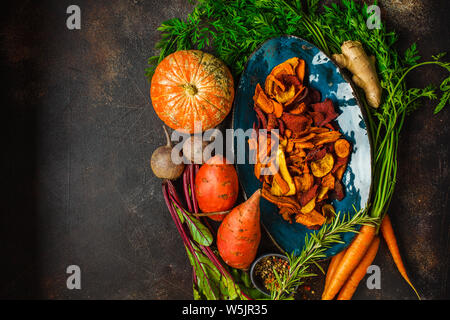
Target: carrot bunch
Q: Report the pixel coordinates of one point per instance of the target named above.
(349, 267)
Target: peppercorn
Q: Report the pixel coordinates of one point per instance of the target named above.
(264, 270)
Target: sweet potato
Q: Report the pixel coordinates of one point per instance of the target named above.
(239, 233)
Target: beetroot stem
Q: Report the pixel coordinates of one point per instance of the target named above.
(186, 187)
(192, 183)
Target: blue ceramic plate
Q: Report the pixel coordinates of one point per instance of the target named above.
(324, 75)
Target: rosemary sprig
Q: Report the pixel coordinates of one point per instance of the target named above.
(316, 244)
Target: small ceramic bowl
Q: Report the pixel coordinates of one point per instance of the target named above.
(257, 283)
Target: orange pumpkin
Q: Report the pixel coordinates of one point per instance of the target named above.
(216, 187)
(189, 86)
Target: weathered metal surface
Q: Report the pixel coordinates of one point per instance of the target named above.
(78, 130)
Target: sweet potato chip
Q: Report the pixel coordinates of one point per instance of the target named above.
(257, 170)
(342, 148)
(282, 68)
(298, 109)
(322, 167)
(271, 83)
(279, 201)
(289, 146)
(316, 154)
(287, 213)
(340, 172)
(312, 220)
(296, 171)
(326, 137)
(300, 70)
(284, 96)
(304, 182)
(281, 183)
(262, 101)
(318, 130)
(328, 212)
(294, 62)
(328, 181)
(309, 206)
(277, 109)
(298, 97)
(281, 125)
(339, 163)
(272, 122)
(304, 138)
(304, 145)
(322, 195)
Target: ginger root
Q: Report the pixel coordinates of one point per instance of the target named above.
(355, 59)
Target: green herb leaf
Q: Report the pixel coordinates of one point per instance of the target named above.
(200, 233)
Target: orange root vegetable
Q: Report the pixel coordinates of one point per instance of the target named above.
(355, 278)
(332, 267)
(216, 186)
(351, 259)
(391, 241)
(239, 233)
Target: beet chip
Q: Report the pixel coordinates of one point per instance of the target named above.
(308, 195)
(296, 123)
(326, 108)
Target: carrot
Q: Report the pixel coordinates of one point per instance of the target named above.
(391, 241)
(239, 233)
(350, 260)
(332, 267)
(358, 274)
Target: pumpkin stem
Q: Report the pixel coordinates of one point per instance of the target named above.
(190, 89)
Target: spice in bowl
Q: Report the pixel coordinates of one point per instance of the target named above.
(264, 270)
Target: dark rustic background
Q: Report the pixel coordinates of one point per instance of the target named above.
(78, 130)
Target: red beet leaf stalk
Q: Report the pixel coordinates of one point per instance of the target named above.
(173, 202)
